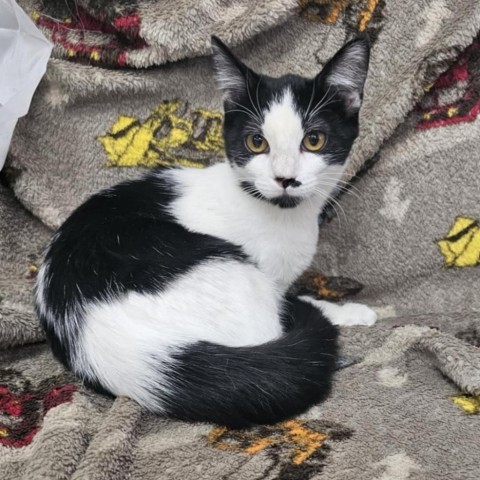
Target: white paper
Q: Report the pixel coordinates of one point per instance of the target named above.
(24, 53)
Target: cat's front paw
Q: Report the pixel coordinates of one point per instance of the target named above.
(351, 314)
(348, 314)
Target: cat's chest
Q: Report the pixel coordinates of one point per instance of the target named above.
(281, 242)
(282, 246)
(282, 251)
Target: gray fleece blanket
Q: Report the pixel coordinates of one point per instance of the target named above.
(408, 230)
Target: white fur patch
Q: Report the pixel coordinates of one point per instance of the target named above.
(41, 283)
(281, 241)
(282, 127)
(127, 342)
(348, 314)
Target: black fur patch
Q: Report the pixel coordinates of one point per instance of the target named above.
(264, 384)
(252, 190)
(284, 201)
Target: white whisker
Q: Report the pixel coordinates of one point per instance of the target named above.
(349, 185)
(332, 202)
(321, 104)
(248, 111)
(310, 102)
(256, 93)
(341, 188)
(250, 97)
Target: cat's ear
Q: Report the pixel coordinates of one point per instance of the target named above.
(230, 73)
(346, 73)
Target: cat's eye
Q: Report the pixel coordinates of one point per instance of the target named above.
(314, 141)
(256, 143)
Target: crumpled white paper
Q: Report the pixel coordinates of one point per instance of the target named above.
(24, 53)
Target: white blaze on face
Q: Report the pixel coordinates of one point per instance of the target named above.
(283, 130)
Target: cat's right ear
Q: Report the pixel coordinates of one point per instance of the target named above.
(347, 71)
(230, 72)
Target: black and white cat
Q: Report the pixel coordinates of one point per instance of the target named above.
(172, 289)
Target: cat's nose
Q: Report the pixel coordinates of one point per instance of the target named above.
(287, 182)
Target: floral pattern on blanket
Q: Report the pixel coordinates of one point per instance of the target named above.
(93, 37)
(296, 449)
(23, 408)
(172, 135)
(455, 95)
(461, 245)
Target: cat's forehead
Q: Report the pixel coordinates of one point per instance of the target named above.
(282, 119)
(284, 105)
(274, 90)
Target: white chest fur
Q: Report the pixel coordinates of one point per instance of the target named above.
(281, 242)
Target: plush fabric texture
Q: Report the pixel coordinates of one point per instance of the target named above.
(22, 240)
(407, 405)
(170, 112)
(410, 227)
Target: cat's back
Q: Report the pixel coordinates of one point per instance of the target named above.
(145, 197)
(124, 238)
(120, 242)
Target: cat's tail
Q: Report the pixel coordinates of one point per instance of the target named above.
(266, 383)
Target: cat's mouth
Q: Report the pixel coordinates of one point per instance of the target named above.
(283, 201)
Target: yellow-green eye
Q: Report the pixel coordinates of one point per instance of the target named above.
(314, 141)
(256, 143)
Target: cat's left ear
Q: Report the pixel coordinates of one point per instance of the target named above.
(230, 73)
(346, 73)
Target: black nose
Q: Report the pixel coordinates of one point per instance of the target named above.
(287, 182)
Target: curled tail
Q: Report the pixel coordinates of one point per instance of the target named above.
(240, 386)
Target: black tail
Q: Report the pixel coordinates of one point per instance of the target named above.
(267, 383)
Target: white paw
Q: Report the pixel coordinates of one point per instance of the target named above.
(353, 314)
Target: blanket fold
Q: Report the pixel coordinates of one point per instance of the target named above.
(409, 235)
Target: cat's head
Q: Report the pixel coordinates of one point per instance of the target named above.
(288, 138)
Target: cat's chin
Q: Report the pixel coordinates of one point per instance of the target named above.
(286, 201)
